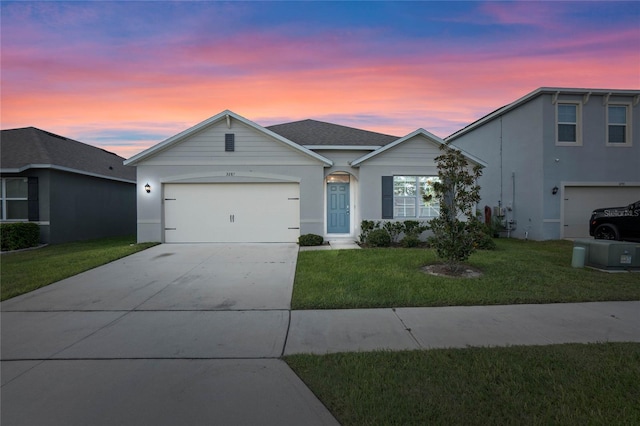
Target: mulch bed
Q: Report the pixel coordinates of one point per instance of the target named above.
(441, 270)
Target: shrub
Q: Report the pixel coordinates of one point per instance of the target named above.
(16, 236)
(310, 240)
(482, 236)
(485, 242)
(366, 227)
(410, 241)
(393, 229)
(414, 228)
(496, 227)
(379, 238)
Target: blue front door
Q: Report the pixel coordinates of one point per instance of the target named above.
(338, 208)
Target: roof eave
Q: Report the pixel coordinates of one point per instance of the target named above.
(380, 150)
(343, 147)
(226, 114)
(529, 96)
(417, 132)
(64, 169)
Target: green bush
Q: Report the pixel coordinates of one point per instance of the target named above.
(379, 238)
(367, 226)
(310, 240)
(482, 236)
(394, 229)
(410, 241)
(16, 236)
(485, 242)
(414, 228)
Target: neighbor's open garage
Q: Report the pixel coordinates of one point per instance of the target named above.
(231, 212)
(580, 201)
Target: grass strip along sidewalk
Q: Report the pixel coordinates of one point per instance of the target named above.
(560, 384)
(517, 272)
(25, 271)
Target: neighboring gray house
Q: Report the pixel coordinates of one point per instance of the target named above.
(556, 154)
(228, 179)
(74, 191)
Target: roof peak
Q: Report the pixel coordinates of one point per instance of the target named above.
(313, 120)
(315, 133)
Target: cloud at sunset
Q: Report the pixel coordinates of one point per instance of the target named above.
(124, 76)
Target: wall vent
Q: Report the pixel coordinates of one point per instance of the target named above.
(229, 142)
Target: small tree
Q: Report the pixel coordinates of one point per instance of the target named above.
(455, 229)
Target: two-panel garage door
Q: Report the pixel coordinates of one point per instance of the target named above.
(580, 201)
(232, 212)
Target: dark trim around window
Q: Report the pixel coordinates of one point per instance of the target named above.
(33, 203)
(387, 197)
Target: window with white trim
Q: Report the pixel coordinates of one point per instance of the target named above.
(14, 196)
(408, 192)
(618, 125)
(569, 126)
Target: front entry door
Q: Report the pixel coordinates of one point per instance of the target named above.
(338, 208)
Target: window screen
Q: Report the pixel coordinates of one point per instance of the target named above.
(567, 123)
(617, 124)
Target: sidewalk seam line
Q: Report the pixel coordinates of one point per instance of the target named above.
(407, 328)
(286, 336)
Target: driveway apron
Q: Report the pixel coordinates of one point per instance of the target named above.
(176, 334)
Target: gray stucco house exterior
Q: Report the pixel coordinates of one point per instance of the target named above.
(72, 190)
(229, 179)
(556, 154)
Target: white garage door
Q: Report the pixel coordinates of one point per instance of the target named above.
(580, 201)
(232, 212)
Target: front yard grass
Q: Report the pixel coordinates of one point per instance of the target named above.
(517, 272)
(560, 384)
(25, 271)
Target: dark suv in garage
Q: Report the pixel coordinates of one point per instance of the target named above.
(616, 223)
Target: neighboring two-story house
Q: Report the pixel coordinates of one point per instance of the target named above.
(554, 155)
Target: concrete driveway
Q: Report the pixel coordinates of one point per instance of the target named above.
(176, 334)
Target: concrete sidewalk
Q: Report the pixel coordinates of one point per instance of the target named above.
(326, 331)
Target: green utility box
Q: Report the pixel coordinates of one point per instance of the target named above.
(610, 255)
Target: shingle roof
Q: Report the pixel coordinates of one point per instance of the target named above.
(31, 147)
(314, 133)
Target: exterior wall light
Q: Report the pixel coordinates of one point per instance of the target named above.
(554, 191)
(147, 188)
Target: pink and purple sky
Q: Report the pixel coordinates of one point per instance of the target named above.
(126, 75)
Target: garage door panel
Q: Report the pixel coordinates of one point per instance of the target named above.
(232, 212)
(580, 201)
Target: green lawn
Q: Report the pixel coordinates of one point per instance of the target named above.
(517, 272)
(25, 271)
(573, 384)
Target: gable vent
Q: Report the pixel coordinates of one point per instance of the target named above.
(229, 142)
